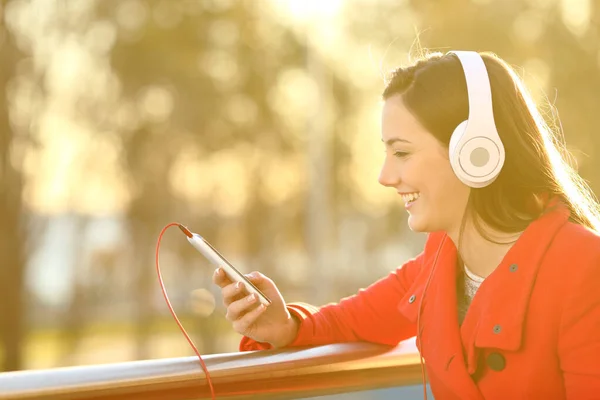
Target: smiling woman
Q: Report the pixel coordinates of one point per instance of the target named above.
(503, 298)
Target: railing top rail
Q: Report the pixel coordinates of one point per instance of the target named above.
(283, 373)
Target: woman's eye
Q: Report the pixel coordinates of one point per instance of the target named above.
(400, 154)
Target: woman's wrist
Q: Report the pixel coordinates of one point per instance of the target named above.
(290, 332)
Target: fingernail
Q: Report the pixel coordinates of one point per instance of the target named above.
(218, 271)
(238, 285)
(251, 298)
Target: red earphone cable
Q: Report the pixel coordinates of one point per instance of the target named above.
(437, 254)
(164, 291)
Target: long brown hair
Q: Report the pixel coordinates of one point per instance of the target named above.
(537, 165)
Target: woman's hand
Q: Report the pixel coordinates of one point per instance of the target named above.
(269, 324)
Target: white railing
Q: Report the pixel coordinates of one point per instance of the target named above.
(273, 374)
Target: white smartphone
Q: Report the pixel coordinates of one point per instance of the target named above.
(218, 260)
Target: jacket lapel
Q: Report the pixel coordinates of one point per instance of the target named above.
(440, 341)
(496, 316)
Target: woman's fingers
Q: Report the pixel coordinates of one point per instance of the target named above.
(243, 309)
(220, 278)
(232, 292)
(243, 324)
(238, 308)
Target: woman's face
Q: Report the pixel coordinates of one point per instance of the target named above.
(417, 166)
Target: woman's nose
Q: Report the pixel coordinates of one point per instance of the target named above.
(388, 176)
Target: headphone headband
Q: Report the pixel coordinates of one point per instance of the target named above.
(478, 87)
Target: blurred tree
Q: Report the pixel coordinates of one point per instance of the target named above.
(205, 83)
(12, 234)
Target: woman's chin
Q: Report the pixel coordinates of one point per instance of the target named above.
(415, 224)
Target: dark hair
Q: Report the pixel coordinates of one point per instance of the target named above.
(537, 165)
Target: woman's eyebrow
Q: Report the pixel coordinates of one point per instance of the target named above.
(391, 141)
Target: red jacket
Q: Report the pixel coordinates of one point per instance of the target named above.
(531, 332)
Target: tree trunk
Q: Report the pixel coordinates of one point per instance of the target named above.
(11, 228)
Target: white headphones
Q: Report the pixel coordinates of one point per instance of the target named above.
(476, 151)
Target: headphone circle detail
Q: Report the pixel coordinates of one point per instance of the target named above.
(479, 157)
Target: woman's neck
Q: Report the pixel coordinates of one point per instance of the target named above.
(479, 254)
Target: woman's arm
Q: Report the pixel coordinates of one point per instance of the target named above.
(370, 315)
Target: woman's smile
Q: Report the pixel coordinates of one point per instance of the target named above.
(409, 198)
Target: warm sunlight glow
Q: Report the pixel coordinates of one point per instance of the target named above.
(576, 15)
(305, 10)
(69, 175)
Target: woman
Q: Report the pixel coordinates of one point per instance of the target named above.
(523, 240)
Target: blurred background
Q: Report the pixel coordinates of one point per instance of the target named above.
(253, 122)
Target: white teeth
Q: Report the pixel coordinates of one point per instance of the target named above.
(410, 197)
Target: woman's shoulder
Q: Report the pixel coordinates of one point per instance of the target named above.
(576, 249)
(575, 238)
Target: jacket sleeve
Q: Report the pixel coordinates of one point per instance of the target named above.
(579, 340)
(370, 315)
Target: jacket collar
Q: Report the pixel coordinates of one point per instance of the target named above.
(496, 316)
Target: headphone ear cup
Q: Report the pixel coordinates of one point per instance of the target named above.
(454, 148)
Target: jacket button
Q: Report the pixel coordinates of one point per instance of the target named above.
(412, 299)
(496, 361)
(497, 329)
(513, 268)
